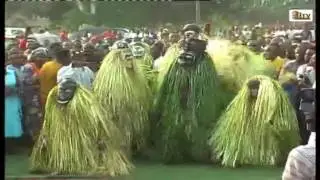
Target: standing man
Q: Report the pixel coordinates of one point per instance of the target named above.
(49, 71)
(207, 29)
(160, 47)
(306, 33)
(23, 41)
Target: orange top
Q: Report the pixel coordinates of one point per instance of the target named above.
(48, 78)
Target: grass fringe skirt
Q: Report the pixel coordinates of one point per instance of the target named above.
(125, 93)
(256, 132)
(188, 101)
(76, 139)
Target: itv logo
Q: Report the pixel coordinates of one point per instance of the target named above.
(301, 15)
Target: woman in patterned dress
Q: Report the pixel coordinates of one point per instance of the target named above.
(33, 112)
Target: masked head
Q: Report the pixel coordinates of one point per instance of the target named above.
(138, 50)
(120, 45)
(124, 56)
(253, 86)
(191, 31)
(192, 51)
(66, 90)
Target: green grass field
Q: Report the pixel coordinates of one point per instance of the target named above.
(17, 166)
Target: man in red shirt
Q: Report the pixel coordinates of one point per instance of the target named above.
(23, 40)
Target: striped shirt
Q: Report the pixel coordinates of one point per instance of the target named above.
(301, 162)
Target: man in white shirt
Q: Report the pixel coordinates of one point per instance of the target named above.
(77, 71)
(301, 162)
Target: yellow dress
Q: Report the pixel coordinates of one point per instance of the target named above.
(48, 78)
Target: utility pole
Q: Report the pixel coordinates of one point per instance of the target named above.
(198, 17)
(93, 7)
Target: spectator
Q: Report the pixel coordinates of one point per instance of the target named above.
(273, 54)
(76, 70)
(33, 113)
(306, 34)
(48, 73)
(293, 65)
(290, 53)
(13, 110)
(207, 29)
(17, 60)
(23, 41)
(42, 31)
(309, 53)
(108, 34)
(301, 162)
(32, 44)
(159, 48)
(302, 159)
(254, 34)
(306, 72)
(38, 57)
(174, 38)
(246, 32)
(63, 36)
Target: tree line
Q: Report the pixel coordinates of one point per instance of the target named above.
(75, 13)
